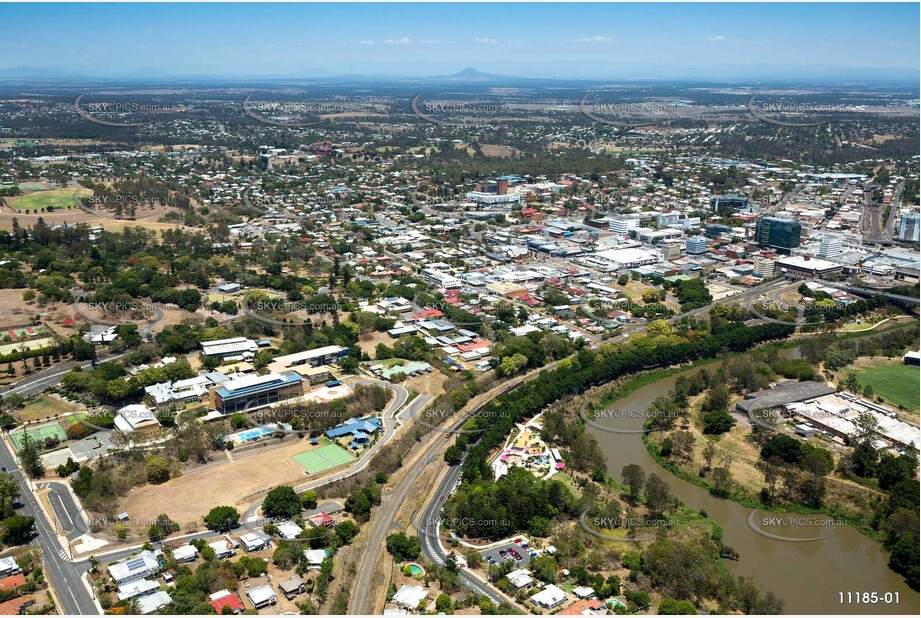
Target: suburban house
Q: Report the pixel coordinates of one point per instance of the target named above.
(410, 596)
(263, 596)
(185, 553)
(254, 541)
(136, 567)
(223, 547)
(224, 598)
(549, 598)
(8, 566)
(16, 606)
(137, 588)
(321, 519)
(314, 557)
(292, 586)
(153, 603)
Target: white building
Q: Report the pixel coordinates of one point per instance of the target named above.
(263, 596)
(186, 553)
(763, 267)
(549, 598)
(696, 245)
(152, 603)
(910, 226)
(137, 567)
(410, 596)
(830, 248)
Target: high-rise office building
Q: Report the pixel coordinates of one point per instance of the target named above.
(830, 248)
(910, 226)
(778, 233)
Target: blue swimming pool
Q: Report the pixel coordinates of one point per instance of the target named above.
(255, 434)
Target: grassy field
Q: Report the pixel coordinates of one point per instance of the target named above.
(42, 408)
(896, 383)
(59, 199)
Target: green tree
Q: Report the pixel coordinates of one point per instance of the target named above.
(18, 529)
(222, 518)
(634, 477)
(282, 502)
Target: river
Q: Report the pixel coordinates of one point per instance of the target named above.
(808, 576)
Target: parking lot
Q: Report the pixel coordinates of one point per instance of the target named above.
(495, 554)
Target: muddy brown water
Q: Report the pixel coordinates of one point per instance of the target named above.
(809, 576)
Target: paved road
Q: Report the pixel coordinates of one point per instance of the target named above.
(73, 596)
(431, 543)
(41, 380)
(383, 516)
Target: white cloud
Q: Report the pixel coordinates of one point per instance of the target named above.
(431, 41)
(595, 39)
(485, 40)
(401, 41)
(367, 42)
(717, 38)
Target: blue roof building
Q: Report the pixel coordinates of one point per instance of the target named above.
(355, 427)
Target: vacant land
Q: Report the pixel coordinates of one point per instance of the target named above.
(898, 384)
(188, 498)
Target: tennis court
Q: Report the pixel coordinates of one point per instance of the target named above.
(38, 434)
(324, 458)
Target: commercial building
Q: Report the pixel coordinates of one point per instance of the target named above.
(783, 234)
(830, 248)
(252, 392)
(763, 267)
(439, 279)
(728, 201)
(910, 226)
(225, 348)
(805, 266)
(318, 357)
(696, 245)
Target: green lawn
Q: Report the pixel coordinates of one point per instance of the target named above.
(897, 383)
(59, 199)
(43, 408)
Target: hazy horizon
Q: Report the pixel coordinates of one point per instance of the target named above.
(578, 41)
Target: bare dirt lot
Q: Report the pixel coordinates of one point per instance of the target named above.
(188, 498)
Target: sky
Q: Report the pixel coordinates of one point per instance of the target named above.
(539, 40)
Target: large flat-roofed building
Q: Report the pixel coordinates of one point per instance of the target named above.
(223, 348)
(252, 392)
(783, 394)
(628, 258)
(440, 279)
(806, 266)
(779, 233)
(728, 201)
(326, 355)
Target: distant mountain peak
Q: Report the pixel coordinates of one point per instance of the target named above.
(470, 72)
